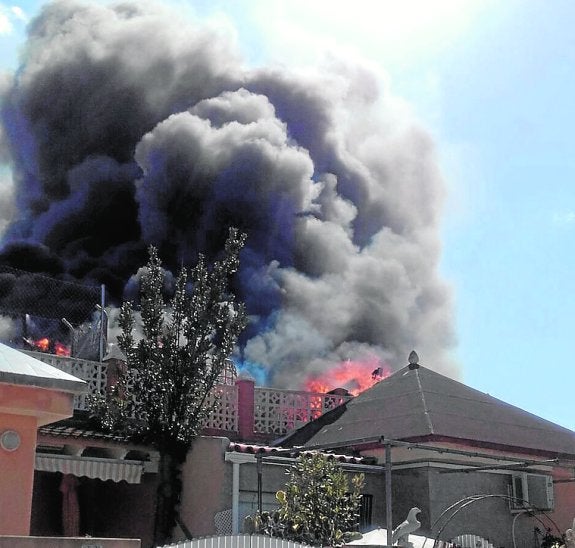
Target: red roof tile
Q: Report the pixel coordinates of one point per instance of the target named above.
(279, 452)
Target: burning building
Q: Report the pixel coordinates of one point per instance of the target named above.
(123, 128)
(38, 312)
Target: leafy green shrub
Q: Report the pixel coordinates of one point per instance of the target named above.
(318, 505)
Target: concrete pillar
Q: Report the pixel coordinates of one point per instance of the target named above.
(246, 401)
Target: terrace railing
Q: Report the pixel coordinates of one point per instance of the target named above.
(279, 411)
(94, 373)
(225, 415)
(275, 411)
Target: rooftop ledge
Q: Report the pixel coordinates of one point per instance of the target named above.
(20, 369)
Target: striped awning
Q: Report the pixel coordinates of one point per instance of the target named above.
(91, 467)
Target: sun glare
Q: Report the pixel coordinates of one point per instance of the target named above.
(380, 29)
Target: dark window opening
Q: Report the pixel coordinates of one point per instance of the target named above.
(365, 509)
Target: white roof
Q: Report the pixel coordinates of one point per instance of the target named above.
(18, 368)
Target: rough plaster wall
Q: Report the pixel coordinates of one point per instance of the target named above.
(564, 513)
(375, 486)
(275, 477)
(206, 488)
(489, 518)
(17, 467)
(410, 488)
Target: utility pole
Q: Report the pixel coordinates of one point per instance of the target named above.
(388, 498)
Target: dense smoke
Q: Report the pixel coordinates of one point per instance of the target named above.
(124, 127)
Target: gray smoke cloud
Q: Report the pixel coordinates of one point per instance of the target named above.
(125, 128)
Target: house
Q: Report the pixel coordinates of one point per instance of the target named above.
(443, 440)
(447, 441)
(111, 482)
(32, 394)
(226, 481)
(86, 482)
(91, 483)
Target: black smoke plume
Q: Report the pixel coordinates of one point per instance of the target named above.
(125, 127)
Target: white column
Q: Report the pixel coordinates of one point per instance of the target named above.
(237, 459)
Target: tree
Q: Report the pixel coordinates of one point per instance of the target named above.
(161, 397)
(317, 507)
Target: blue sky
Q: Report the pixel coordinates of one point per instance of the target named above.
(494, 84)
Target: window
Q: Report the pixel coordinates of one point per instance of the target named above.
(249, 504)
(365, 509)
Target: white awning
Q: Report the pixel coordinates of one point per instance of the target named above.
(91, 467)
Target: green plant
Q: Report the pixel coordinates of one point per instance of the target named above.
(162, 393)
(549, 540)
(318, 506)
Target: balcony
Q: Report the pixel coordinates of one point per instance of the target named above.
(241, 409)
(94, 373)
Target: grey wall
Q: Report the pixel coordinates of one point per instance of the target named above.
(410, 488)
(208, 482)
(434, 492)
(274, 478)
(490, 518)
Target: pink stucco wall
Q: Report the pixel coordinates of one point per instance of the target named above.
(206, 489)
(23, 409)
(46, 405)
(564, 513)
(246, 400)
(17, 476)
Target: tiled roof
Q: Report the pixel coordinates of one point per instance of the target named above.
(75, 432)
(279, 452)
(420, 403)
(19, 368)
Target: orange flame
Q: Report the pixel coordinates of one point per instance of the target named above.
(61, 349)
(353, 375)
(44, 345)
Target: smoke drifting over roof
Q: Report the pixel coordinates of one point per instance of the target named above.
(125, 129)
